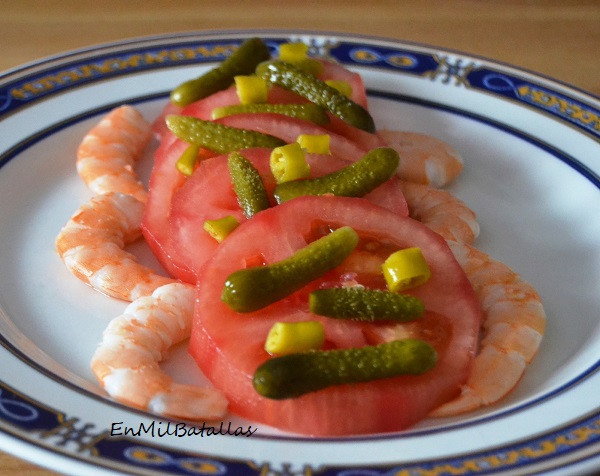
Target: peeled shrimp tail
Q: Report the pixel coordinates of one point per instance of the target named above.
(513, 325)
(441, 211)
(126, 362)
(423, 159)
(107, 154)
(92, 243)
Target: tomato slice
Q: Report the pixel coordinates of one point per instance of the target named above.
(208, 195)
(165, 180)
(228, 346)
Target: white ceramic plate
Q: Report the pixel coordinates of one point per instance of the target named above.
(532, 153)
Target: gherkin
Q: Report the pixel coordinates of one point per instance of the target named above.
(247, 184)
(242, 61)
(316, 91)
(355, 180)
(367, 305)
(307, 112)
(251, 289)
(218, 137)
(293, 375)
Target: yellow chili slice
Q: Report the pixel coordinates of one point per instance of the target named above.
(315, 144)
(297, 54)
(293, 52)
(251, 89)
(291, 337)
(288, 163)
(405, 269)
(220, 228)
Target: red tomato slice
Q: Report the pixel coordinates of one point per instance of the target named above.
(228, 346)
(165, 179)
(208, 194)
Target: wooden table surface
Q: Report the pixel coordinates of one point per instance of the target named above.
(560, 39)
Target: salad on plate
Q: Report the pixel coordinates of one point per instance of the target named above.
(326, 281)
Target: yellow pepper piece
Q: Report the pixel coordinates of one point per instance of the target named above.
(220, 228)
(314, 144)
(342, 86)
(297, 54)
(251, 89)
(293, 53)
(288, 163)
(405, 269)
(292, 337)
(187, 162)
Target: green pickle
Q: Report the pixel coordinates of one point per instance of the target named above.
(218, 137)
(242, 61)
(307, 112)
(316, 91)
(251, 289)
(356, 180)
(247, 184)
(368, 305)
(293, 375)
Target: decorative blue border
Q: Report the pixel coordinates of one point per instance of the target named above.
(26, 89)
(99, 447)
(581, 115)
(466, 73)
(34, 418)
(40, 84)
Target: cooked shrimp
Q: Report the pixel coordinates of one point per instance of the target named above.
(441, 211)
(423, 159)
(107, 154)
(126, 362)
(513, 325)
(92, 243)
